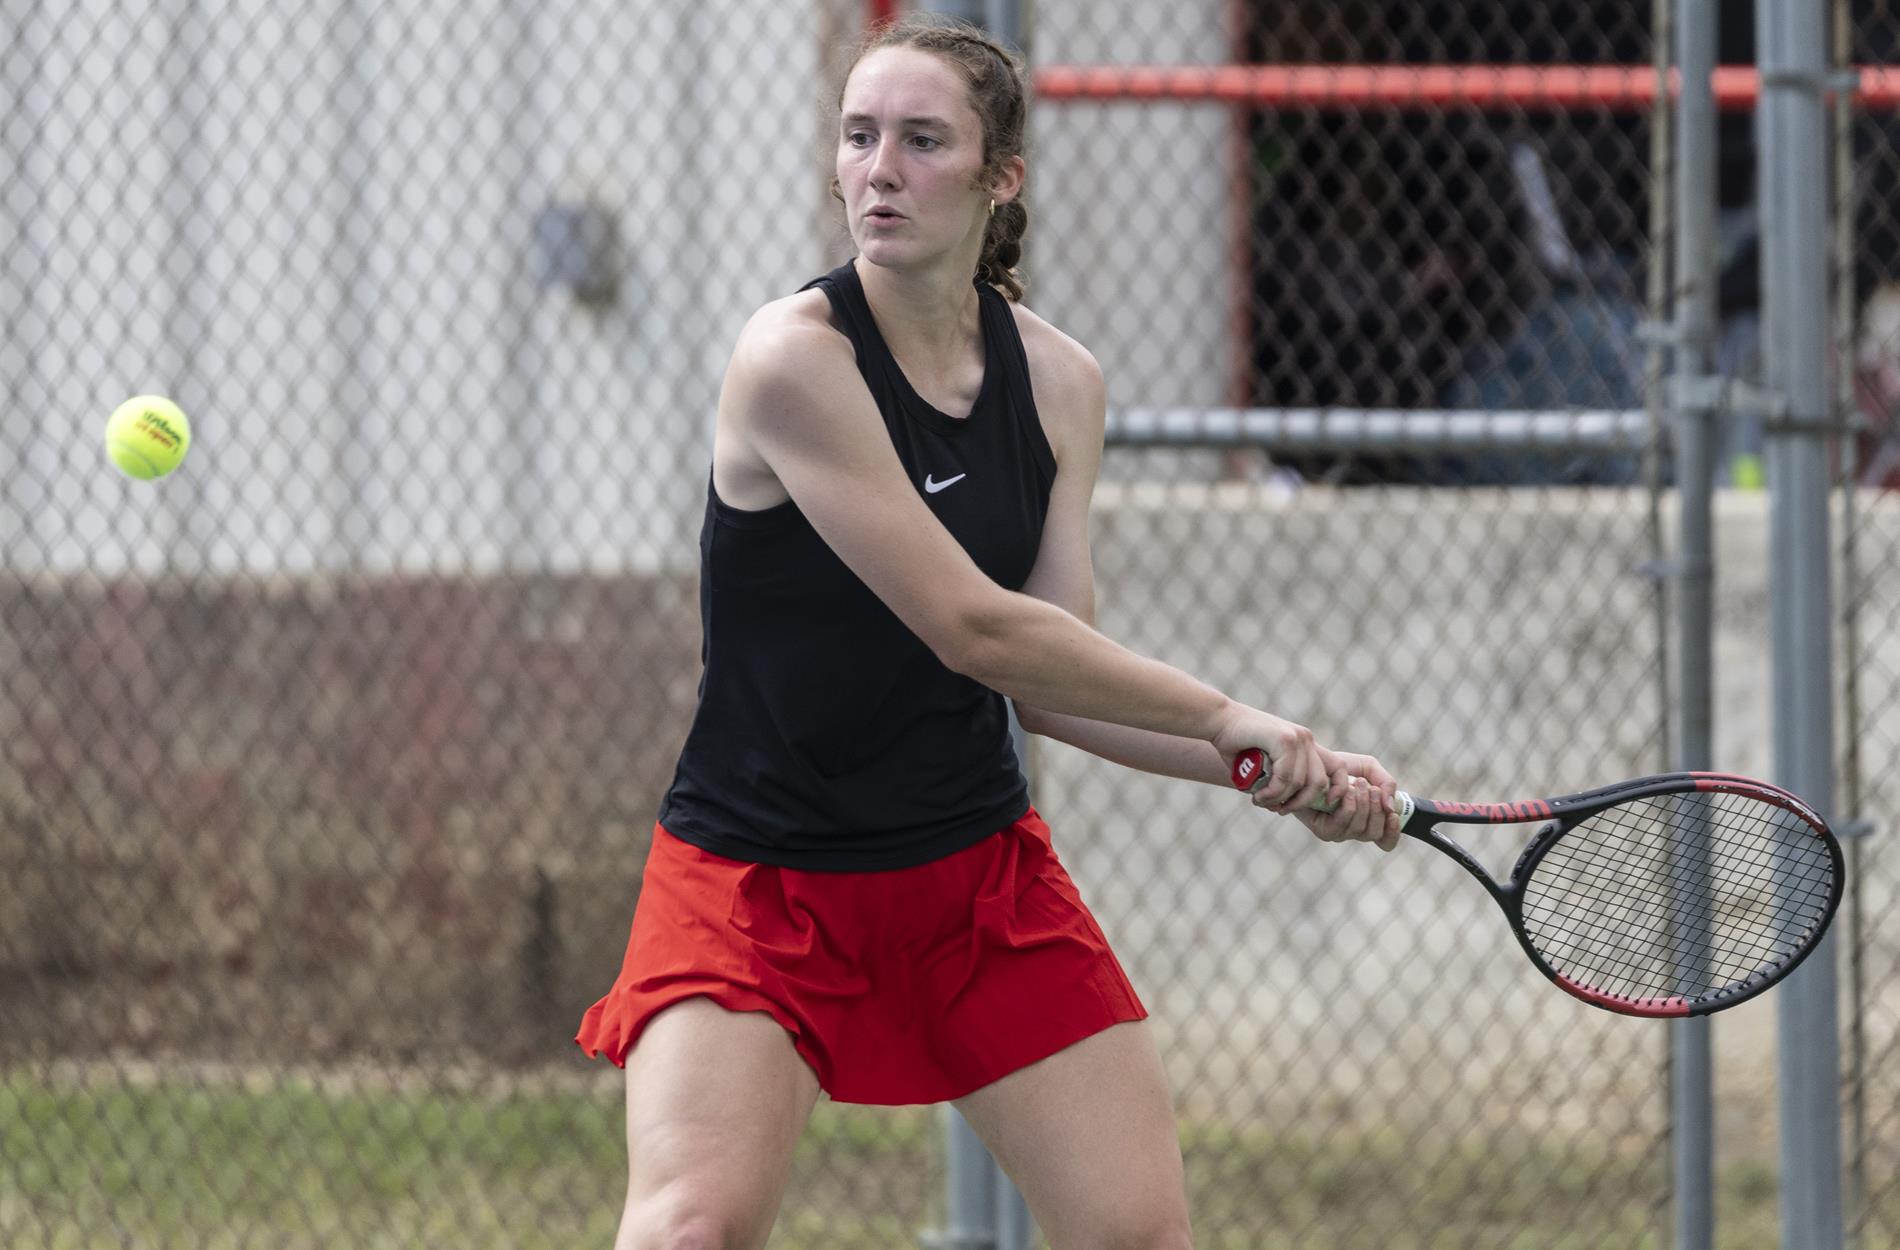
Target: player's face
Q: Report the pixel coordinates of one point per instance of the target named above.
(910, 149)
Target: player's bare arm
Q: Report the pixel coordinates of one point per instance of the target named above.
(1071, 400)
(794, 403)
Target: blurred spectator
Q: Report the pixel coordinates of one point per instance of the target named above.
(1574, 346)
(1384, 255)
(1436, 271)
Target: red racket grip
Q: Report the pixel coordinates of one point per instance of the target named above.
(1251, 771)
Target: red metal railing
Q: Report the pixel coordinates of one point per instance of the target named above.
(1615, 87)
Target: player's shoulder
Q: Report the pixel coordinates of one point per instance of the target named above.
(1066, 381)
(797, 335)
(791, 364)
(1057, 361)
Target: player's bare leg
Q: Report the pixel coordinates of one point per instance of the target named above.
(1089, 1136)
(716, 1101)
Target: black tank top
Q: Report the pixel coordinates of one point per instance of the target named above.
(828, 736)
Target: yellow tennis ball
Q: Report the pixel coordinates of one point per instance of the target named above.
(147, 436)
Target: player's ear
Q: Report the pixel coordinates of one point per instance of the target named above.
(1007, 182)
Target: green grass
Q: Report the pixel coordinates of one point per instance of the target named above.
(177, 1164)
(173, 1165)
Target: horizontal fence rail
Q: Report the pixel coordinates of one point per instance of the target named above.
(1379, 429)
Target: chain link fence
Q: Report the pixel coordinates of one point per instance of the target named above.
(1868, 34)
(1384, 305)
(329, 762)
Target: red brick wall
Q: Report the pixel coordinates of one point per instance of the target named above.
(287, 821)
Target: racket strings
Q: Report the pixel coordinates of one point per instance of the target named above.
(1654, 968)
(1675, 938)
(1698, 910)
(1680, 895)
(1695, 903)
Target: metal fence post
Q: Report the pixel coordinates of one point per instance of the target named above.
(1692, 306)
(983, 1209)
(1793, 193)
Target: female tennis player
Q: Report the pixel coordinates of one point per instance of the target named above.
(848, 890)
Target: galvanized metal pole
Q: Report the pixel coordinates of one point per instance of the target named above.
(1851, 803)
(1791, 42)
(1694, 192)
(970, 1178)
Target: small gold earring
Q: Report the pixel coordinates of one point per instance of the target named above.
(992, 208)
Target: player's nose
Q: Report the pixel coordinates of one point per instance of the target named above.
(885, 172)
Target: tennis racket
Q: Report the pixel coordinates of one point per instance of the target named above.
(1674, 895)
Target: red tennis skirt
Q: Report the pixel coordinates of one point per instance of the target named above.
(914, 985)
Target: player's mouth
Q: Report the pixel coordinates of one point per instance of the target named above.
(883, 215)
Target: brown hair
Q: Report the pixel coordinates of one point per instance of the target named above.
(998, 94)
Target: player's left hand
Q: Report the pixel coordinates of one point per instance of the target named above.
(1363, 798)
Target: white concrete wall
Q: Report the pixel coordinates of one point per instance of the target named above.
(1130, 223)
(314, 228)
(1443, 632)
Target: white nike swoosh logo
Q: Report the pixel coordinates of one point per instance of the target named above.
(932, 485)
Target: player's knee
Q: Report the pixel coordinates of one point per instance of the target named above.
(1173, 1238)
(1146, 1235)
(1133, 1231)
(694, 1236)
(678, 1224)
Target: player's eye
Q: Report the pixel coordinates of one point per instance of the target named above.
(926, 142)
(858, 138)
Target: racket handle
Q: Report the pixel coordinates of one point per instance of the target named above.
(1251, 771)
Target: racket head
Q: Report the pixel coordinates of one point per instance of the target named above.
(1676, 895)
